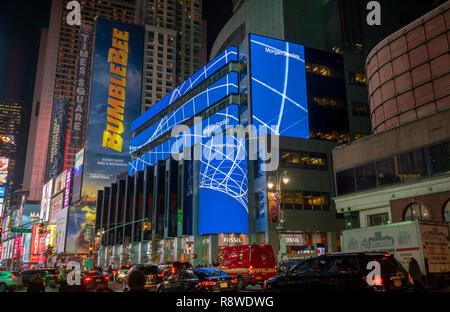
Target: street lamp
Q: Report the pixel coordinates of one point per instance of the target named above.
(276, 183)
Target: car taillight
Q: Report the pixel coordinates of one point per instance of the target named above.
(409, 277)
(54, 275)
(208, 283)
(173, 270)
(377, 281)
(106, 278)
(234, 281)
(87, 280)
(161, 274)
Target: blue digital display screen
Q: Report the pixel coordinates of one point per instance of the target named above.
(278, 87)
(223, 187)
(229, 55)
(2, 191)
(221, 88)
(228, 116)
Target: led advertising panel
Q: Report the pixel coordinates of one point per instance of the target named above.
(79, 220)
(60, 182)
(223, 193)
(278, 87)
(61, 227)
(35, 244)
(67, 189)
(3, 170)
(115, 101)
(45, 202)
(229, 55)
(78, 176)
(56, 204)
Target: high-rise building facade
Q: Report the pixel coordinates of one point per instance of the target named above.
(11, 131)
(173, 45)
(56, 78)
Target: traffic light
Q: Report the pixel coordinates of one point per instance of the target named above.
(147, 226)
(90, 250)
(41, 228)
(189, 248)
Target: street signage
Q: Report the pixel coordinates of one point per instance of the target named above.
(17, 230)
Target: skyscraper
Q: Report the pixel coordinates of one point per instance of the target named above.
(173, 39)
(11, 130)
(56, 79)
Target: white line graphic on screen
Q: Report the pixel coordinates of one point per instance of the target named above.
(283, 95)
(228, 175)
(170, 121)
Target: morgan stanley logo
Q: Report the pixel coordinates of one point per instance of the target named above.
(220, 140)
(283, 53)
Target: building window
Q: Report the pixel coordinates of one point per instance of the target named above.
(360, 109)
(447, 211)
(305, 160)
(319, 70)
(303, 200)
(440, 158)
(379, 219)
(413, 165)
(358, 79)
(351, 220)
(365, 177)
(387, 171)
(345, 181)
(416, 211)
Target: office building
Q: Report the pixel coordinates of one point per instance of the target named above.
(402, 172)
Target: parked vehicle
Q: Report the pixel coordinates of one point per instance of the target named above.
(249, 264)
(9, 281)
(343, 272)
(50, 276)
(427, 242)
(91, 280)
(171, 268)
(122, 272)
(286, 266)
(153, 276)
(199, 280)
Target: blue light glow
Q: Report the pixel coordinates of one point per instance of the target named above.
(229, 55)
(278, 87)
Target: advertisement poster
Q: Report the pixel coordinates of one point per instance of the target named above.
(45, 202)
(272, 206)
(26, 241)
(61, 226)
(79, 221)
(35, 244)
(77, 176)
(4, 162)
(435, 241)
(278, 87)
(56, 205)
(60, 182)
(67, 190)
(115, 101)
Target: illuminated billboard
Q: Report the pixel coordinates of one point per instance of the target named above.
(60, 182)
(278, 87)
(61, 227)
(45, 202)
(35, 244)
(4, 162)
(223, 193)
(79, 223)
(56, 204)
(77, 176)
(115, 101)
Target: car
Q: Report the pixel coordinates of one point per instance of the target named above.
(9, 281)
(171, 268)
(92, 280)
(153, 276)
(122, 272)
(286, 266)
(198, 280)
(343, 273)
(49, 275)
(249, 264)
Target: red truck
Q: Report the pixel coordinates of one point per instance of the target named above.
(248, 264)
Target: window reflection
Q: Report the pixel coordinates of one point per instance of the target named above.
(416, 211)
(304, 200)
(306, 160)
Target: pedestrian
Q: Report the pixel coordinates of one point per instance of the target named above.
(416, 275)
(136, 281)
(36, 284)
